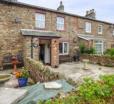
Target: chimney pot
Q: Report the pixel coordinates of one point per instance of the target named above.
(61, 7)
(91, 14)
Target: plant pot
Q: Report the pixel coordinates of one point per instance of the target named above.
(22, 82)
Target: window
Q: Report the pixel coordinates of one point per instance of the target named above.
(99, 47)
(113, 32)
(40, 20)
(100, 29)
(60, 23)
(64, 48)
(88, 27)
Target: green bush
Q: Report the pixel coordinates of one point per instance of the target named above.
(109, 52)
(82, 48)
(85, 50)
(90, 92)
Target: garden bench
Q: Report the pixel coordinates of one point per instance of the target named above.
(7, 61)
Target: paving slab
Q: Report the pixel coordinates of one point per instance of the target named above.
(76, 72)
(11, 95)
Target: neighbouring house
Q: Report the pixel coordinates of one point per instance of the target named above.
(49, 35)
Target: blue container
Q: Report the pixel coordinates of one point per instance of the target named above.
(22, 82)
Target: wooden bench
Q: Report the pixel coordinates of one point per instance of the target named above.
(7, 61)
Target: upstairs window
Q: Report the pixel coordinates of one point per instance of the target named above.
(88, 27)
(40, 20)
(100, 29)
(113, 33)
(60, 23)
(64, 48)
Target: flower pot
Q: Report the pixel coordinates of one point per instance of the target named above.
(22, 82)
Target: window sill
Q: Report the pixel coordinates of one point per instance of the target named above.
(37, 28)
(88, 32)
(65, 54)
(100, 33)
(60, 30)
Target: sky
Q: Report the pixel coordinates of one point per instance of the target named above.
(104, 8)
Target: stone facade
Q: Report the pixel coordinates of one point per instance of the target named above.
(107, 30)
(14, 17)
(11, 41)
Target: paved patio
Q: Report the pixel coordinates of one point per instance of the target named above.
(76, 72)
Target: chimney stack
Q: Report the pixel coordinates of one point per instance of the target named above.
(91, 14)
(61, 7)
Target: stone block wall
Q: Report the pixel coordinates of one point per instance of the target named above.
(55, 52)
(38, 72)
(101, 60)
(11, 40)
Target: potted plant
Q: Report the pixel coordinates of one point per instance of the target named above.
(22, 77)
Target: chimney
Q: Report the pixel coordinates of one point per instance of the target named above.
(91, 14)
(61, 7)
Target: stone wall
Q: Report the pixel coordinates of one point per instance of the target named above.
(101, 60)
(11, 41)
(38, 72)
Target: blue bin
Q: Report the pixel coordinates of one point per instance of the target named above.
(22, 82)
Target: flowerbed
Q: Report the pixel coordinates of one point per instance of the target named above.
(90, 92)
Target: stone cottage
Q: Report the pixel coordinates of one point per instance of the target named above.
(49, 35)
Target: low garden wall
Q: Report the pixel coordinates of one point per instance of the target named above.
(39, 72)
(101, 60)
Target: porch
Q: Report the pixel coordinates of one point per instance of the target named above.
(96, 42)
(41, 46)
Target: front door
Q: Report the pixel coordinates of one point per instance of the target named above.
(42, 52)
(47, 53)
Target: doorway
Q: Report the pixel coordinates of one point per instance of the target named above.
(45, 53)
(42, 52)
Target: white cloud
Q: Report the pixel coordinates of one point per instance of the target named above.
(104, 9)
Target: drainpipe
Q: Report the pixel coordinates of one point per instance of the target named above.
(32, 47)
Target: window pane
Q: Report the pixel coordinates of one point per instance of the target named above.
(40, 20)
(100, 29)
(60, 23)
(99, 47)
(65, 47)
(113, 33)
(60, 48)
(88, 27)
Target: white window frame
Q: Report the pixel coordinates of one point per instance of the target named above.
(99, 42)
(88, 26)
(113, 33)
(38, 20)
(63, 44)
(60, 23)
(100, 27)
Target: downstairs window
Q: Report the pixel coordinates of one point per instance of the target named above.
(64, 48)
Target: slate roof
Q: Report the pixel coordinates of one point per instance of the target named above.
(39, 33)
(48, 9)
(90, 37)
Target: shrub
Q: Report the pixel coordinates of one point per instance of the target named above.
(85, 50)
(109, 52)
(82, 48)
(90, 92)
